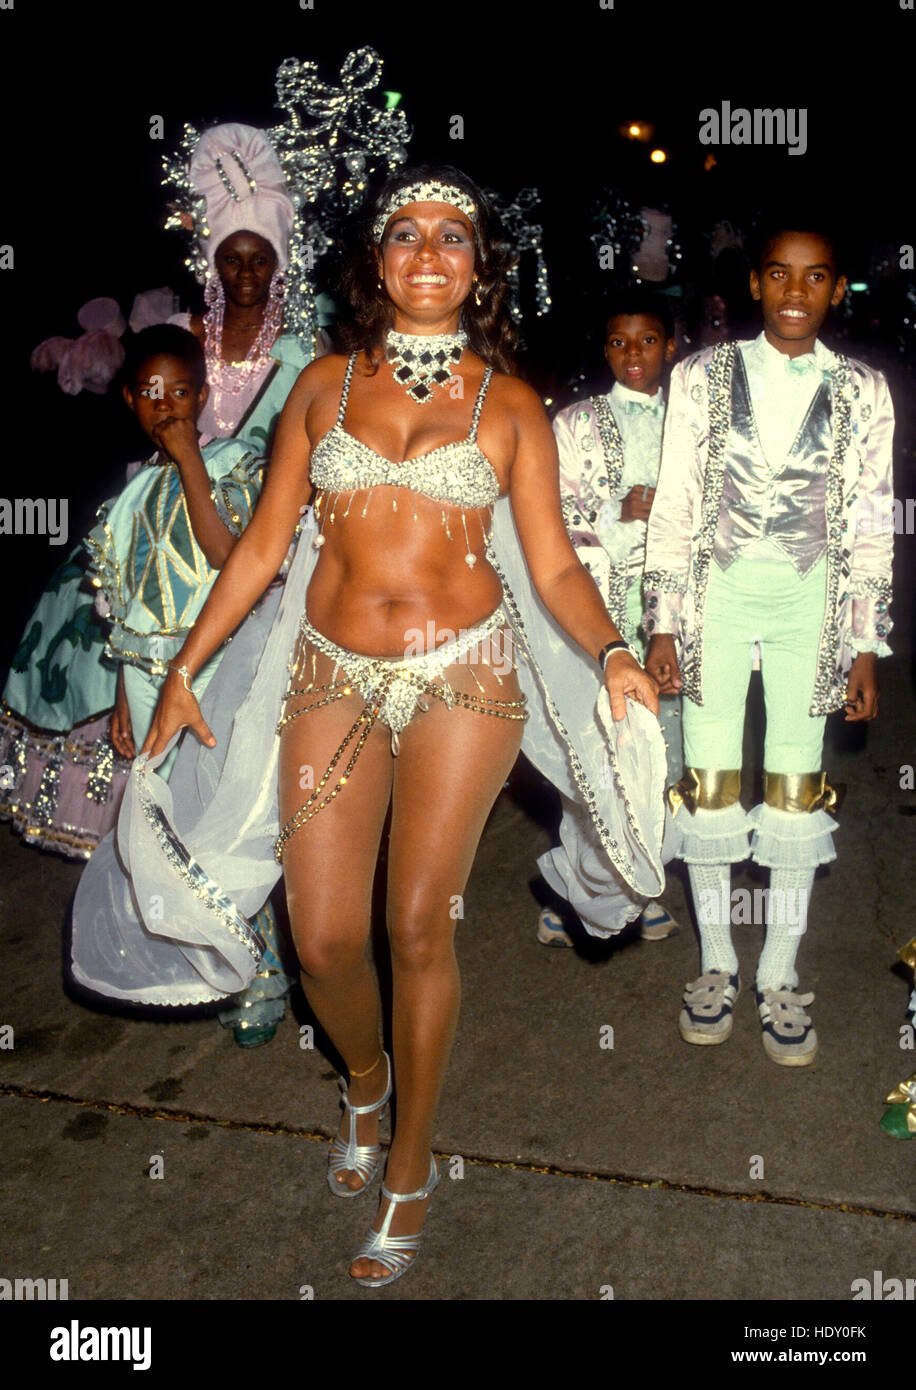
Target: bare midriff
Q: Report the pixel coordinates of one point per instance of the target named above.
(382, 576)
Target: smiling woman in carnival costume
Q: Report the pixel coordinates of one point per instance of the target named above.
(390, 676)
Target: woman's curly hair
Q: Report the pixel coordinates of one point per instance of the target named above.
(489, 325)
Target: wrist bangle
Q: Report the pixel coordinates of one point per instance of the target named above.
(186, 674)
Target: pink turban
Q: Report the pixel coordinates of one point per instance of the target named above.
(227, 160)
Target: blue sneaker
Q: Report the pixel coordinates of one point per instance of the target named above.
(550, 929)
(656, 923)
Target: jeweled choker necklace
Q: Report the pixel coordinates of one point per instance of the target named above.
(420, 361)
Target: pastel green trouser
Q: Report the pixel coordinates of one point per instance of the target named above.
(769, 603)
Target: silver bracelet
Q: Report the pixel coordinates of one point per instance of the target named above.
(183, 671)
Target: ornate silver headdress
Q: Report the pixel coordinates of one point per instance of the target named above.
(523, 234)
(621, 228)
(623, 231)
(330, 141)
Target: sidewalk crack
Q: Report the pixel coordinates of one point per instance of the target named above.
(655, 1184)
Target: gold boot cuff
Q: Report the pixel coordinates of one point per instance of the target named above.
(799, 791)
(709, 788)
(907, 954)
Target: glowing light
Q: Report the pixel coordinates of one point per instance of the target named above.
(858, 287)
(635, 131)
(658, 156)
(392, 99)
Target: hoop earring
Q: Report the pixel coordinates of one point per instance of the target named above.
(477, 299)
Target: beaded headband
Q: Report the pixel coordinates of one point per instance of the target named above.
(425, 193)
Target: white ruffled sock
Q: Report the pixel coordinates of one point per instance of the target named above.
(787, 918)
(711, 888)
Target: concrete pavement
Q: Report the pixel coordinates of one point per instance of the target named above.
(656, 1169)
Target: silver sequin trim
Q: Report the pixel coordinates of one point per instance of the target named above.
(870, 586)
(612, 448)
(412, 674)
(829, 685)
(457, 473)
(45, 803)
(187, 867)
(718, 387)
(666, 581)
(98, 783)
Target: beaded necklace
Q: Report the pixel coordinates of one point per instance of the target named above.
(232, 378)
(419, 361)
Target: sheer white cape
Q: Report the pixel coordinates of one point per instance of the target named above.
(162, 910)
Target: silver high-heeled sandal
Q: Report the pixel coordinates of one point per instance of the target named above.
(397, 1252)
(347, 1155)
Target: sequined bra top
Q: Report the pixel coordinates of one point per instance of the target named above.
(457, 473)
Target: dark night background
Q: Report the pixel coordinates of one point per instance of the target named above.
(542, 88)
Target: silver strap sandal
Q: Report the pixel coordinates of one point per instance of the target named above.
(397, 1252)
(347, 1155)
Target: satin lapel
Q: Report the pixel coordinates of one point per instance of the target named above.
(743, 420)
(815, 432)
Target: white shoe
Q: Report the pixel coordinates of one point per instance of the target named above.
(550, 929)
(656, 923)
(706, 1018)
(788, 1035)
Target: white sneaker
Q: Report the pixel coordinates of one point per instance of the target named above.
(656, 923)
(550, 929)
(788, 1035)
(706, 1017)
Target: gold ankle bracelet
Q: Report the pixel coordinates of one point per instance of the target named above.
(368, 1069)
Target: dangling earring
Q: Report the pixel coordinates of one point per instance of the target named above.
(477, 299)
